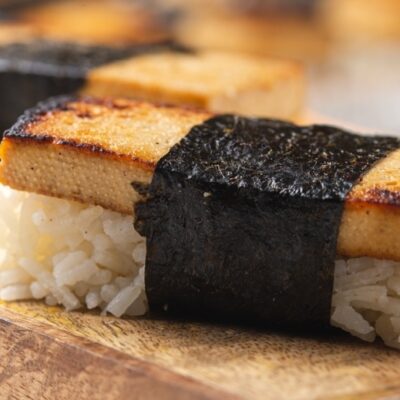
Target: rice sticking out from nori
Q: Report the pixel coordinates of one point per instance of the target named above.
(70, 254)
(243, 216)
(366, 300)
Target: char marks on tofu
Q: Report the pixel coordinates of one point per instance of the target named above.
(91, 150)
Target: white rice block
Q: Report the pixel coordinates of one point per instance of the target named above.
(116, 262)
(101, 277)
(123, 282)
(369, 297)
(139, 307)
(62, 293)
(139, 280)
(139, 254)
(69, 261)
(69, 254)
(95, 228)
(108, 292)
(16, 292)
(365, 277)
(366, 299)
(359, 264)
(88, 215)
(51, 300)
(122, 231)
(393, 284)
(79, 273)
(102, 242)
(38, 291)
(121, 302)
(345, 317)
(81, 289)
(93, 300)
(340, 268)
(13, 276)
(388, 329)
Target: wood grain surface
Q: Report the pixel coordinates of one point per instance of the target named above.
(46, 353)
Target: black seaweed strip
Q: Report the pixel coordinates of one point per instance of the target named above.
(243, 217)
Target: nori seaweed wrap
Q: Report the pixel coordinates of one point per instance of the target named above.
(242, 219)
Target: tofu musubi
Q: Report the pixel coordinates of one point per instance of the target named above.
(239, 218)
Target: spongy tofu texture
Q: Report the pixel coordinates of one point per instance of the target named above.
(92, 150)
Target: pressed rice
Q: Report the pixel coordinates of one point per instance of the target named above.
(67, 253)
(84, 256)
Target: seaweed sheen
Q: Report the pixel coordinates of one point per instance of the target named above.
(242, 218)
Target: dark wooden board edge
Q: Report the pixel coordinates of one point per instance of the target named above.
(38, 361)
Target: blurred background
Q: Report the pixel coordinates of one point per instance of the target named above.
(350, 48)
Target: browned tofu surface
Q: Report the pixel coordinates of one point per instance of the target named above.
(371, 220)
(92, 150)
(217, 81)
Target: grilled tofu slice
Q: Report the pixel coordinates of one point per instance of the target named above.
(92, 150)
(371, 219)
(35, 69)
(216, 81)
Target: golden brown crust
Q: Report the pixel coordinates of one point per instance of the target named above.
(92, 150)
(371, 218)
(380, 185)
(138, 131)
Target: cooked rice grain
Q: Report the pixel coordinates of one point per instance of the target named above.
(366, 300)
(67, 253)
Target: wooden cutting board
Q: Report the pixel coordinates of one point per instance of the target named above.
(46, 353)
